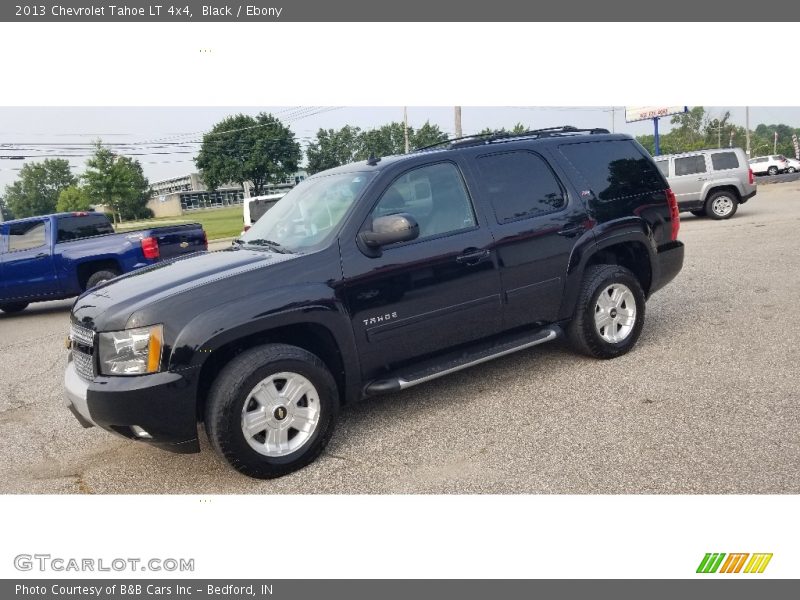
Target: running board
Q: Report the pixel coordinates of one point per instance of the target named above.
(450, 363)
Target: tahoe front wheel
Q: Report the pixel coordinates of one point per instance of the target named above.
(271, 410)
(610, 312)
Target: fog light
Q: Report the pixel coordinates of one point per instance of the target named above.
(140, 433)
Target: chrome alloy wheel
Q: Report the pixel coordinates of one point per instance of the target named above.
(615, 313)
(722, 206)
(280, 414)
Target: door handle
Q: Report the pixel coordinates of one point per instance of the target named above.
(573, 229)
(473, 256)
(41, 255)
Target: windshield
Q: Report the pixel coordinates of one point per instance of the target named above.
(309, 214)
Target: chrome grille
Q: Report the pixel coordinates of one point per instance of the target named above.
(81, 335)
(84, 364)
(82, 349)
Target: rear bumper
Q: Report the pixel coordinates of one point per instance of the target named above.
(162, 405)
(668, 263)
(747, 197)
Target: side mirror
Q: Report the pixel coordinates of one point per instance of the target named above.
(401, 227)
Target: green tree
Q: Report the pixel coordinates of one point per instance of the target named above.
(518, 128)
(5, 211)
(387, 140)
(37, 189)
(426, 135)
(117, 182)
(73, 198)
(333, 148)
(241, 148)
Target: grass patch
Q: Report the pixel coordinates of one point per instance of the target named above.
(218, 222)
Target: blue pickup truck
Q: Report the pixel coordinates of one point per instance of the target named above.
(59, 256)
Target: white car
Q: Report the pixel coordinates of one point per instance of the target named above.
(794, 165)
(769, 165)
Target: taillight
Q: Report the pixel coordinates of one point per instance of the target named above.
(247, 227)
(150, 248)
(205, 240)
(750, 177)
(674, 214)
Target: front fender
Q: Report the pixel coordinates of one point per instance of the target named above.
(258, 314)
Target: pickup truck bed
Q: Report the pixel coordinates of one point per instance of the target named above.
(60, 256)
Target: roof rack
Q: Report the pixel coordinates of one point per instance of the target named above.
(488, 138)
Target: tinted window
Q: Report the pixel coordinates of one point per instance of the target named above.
(690, 164)
(520, 185)
(663, 166)
(434, 195)
(24, 236)
(76, 228)
(724, 160)
(759, 160)
(614, 169)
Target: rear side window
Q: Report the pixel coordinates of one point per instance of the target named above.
(79, 227)
(615, 168)
(663, 166)
(520, 185)
(724, 160)
(24, 236)
(688, 165)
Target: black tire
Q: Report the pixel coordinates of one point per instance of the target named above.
(100, 277)
(724, 198)
(772, 171)
(13, 307)
(699, 213)
(581, 331)
(230, 390)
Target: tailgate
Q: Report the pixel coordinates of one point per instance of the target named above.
(179, 240)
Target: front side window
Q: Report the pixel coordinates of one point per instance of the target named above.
(434, 195)
(520, 185)
(689, 165)
(24, 236)
(309, 214)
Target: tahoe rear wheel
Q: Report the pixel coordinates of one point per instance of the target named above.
(721, 205)
(13, 307)
(610, 312)
(271, 410)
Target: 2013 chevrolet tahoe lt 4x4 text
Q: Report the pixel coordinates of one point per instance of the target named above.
(374, 277)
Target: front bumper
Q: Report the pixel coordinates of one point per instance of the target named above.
(163, 405)
(668, 263)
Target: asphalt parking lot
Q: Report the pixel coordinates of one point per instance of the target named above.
(708, 402)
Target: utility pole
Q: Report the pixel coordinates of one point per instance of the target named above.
(747, 129)
(459, 133)
(775, 143)
(613, 113)
(405, 126)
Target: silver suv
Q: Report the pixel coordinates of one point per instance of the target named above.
(709, 182)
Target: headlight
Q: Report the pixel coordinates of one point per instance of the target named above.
(131, 352)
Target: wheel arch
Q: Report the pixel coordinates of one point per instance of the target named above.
(632, 251)
(88, 268)
(315, 337)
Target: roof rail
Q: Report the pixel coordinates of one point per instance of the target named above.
(490, 137)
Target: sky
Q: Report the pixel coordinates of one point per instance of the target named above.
(56, 132)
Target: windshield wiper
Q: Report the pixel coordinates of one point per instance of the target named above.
(275, 246)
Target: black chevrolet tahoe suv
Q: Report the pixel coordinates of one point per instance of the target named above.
(372, 278)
